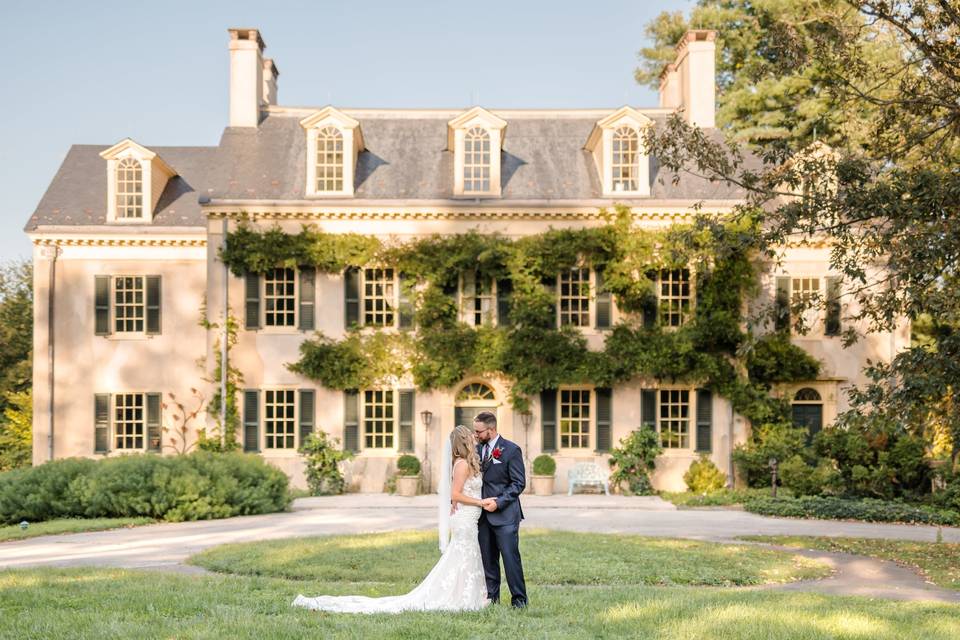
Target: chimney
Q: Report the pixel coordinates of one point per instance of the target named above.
(689, 82)
(270, 75)
(246, 77)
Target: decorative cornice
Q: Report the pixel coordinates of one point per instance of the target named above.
(121, 242)
(253, 214)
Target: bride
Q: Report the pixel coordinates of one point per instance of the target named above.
(456, 582)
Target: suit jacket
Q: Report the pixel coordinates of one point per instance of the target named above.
(505, 482)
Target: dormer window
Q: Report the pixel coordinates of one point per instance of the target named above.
(619, 155)
(476, 140)
(626, 143)
(334, 141)
(476, 161)
(136, 177)
(329, 159)
(129, 189)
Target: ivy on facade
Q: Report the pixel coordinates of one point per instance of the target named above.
(531, 351)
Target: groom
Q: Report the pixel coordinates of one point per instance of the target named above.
(501, 464)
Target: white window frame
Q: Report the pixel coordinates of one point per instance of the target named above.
(616, 185)
(296, 304)
(122, 193)
(114, 424)
(477, 161)
(467, 316)
(395, 430)
(591, 299)
(352, 145)
(591, 420)
(337, 167)
(395, 302)
(691, 418)
(457, 128)
(685, 316)
(296, 419)
(113, 307)
(154, 175)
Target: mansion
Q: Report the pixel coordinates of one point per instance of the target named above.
(126, 253)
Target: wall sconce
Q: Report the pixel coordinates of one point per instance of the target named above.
(526, 418)
(426, 417)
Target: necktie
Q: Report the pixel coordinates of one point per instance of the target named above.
(486, 451)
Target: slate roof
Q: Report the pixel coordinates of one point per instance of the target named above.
(405, 159)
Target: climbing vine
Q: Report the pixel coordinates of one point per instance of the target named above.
(531, 351)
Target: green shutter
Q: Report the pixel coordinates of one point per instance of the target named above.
(101, 305)
(551, 285)
(548, 420)
(251, 420)
(650, 302)
(153, 305)
(604, 418)
(704, 421)
(406, 420)
(604, 304)
(252, 297)
(405, 302)
(648, 408)
(504, 301)
(308, 296)
(351, 296)
(832, 324)
(782, 307)
(154, 432)
(101, 423)
(351, 420)
(307, 411)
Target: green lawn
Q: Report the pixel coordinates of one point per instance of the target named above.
(394, 562)
(69, 525)
(940, 562)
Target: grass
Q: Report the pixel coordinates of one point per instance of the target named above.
(722, 498)
(395, 562)
(938, 561)
(68, 525)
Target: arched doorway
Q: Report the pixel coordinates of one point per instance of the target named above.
(807, 409)
(473, 398)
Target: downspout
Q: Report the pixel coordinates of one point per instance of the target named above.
(223, 345)
(51, 292)
(730, 446)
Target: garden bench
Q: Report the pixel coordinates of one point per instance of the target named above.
(587, 474)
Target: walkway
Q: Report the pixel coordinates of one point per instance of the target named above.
(166, 546)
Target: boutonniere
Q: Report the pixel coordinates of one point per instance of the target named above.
(496, 453)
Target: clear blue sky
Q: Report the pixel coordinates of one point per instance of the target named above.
(94, 72)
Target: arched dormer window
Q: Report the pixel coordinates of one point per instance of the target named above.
(476, 161)
(129, 188)
(626, 144)
(329, 160)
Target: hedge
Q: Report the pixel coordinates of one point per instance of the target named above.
(868, 509)
(198, 486)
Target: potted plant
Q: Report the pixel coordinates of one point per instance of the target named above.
(544, 469)
(408, 475)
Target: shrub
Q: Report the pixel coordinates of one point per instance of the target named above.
(196, 486)
(806, 480)
(408, 465)
(322, 457)
(544, 465)
(704, 477)
(634, 459)
(780, 440)
(868, 509)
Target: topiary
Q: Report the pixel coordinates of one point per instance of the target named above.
(408, 465)
(544, 465)
(704, 477)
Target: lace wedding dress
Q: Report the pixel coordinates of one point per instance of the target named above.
(455, 583)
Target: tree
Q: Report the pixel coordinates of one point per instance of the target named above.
(16, 344)
(16, 431)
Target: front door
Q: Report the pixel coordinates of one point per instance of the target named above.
(471, 400)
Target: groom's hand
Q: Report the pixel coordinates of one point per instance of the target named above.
(490, 504)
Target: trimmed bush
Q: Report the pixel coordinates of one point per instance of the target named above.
(634, 460)
(867, 509)
(805, 480)
(197, 486)
(408, 465)
(704, 477)
(544, 465)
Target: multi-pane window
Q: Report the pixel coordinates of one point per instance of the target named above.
(674, 419)
(378, 423)
(128, 420)
(280, 297)
(477, 299)
(129, 189)
(329, 159)
(574, 297)
(575, 418)
(128, 304)
(626, 144)
(476, 161)
(379, 297)
(673, 289)
(804, 290)
(279, 418)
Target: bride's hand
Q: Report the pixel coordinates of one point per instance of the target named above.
(453, 507)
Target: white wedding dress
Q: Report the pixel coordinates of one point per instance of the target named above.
(456, 582)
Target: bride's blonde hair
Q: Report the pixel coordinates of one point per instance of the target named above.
(461, 446)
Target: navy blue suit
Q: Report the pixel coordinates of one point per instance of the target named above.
(499, 531)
